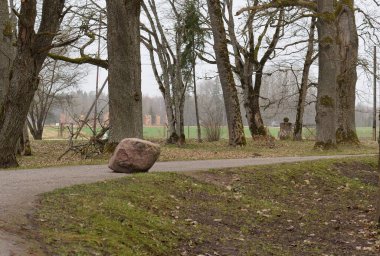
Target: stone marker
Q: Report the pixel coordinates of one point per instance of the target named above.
(134, 155)
(286, 130)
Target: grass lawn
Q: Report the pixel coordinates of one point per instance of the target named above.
(314, 208)
(45, 153)
(159, 132)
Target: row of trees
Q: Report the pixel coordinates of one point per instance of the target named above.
(242, 48)
(23, 52)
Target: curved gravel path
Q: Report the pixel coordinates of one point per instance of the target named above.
(19, 191)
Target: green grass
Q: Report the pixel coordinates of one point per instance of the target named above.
(160, 132)
(288, 209)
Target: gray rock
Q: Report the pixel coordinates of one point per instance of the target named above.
(286, 131)
(134, 155)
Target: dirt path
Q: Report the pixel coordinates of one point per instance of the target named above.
(20, 190)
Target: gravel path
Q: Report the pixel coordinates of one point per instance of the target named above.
(20, 190)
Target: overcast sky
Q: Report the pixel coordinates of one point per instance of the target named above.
(150, 87)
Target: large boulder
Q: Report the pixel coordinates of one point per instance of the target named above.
(134, 155)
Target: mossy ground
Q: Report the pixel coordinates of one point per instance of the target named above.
(313, 208)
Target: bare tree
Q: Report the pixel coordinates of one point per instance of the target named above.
(309, 59)
(32, 50)
(168, 49)
(231, 101)
(56, 77)
(249, 63)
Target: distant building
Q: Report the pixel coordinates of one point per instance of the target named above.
(158, 120)
(147, 120)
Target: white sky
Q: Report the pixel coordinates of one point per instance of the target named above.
(150, 87)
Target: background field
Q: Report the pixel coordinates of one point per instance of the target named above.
(160, 132)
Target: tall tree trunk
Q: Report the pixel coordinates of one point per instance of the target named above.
(327, 81)
(24, 148)
(377, 216)
(251, 98)
(199, 131)
(247, 86)
(124, 69)
(256, 125)
(179, 105)
(179, 88)
(32, 50)
(234, 119)
(181, 121)
(173, 136)
(6, 51)
(170, 108)
(36, 133)
(348, 52)
(304, 83)
(7, 55)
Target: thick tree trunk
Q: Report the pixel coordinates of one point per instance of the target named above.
(251, 98)
(257, 124)
(124, 69)
(179, 90)
(6, 51)
(37, 134)
(24, 147)
(348, 52)
(297, 135)
(327, 81)
(170, 112)
(180, 127)
(36, 127)
(234, 119)
(173, 136)
(32, 49)
(179, 105)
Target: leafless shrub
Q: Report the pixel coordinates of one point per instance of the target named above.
(212, 110)
(212, 125)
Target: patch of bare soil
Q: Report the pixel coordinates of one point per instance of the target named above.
(286, 213)
(360, 171)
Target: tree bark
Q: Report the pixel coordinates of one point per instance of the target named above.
(298, 125)
(32, 49)
(348, 52)
(24, 147)
(124, 69)
(377, 216)
(199, 131)
(328, 72)
(257, 124)
(179, 89)
(234, 119)
(6, 52)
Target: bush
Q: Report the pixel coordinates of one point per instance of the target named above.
(212, 129)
